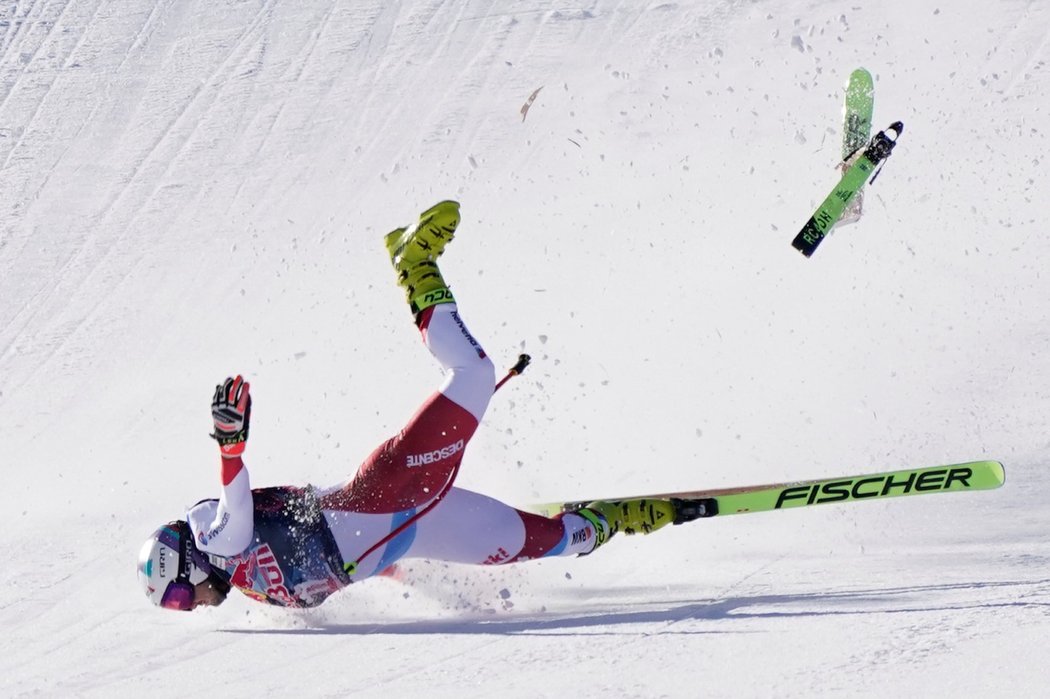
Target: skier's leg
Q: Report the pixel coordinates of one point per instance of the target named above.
(465, 527)
(468, 527)
(470, 376)
(411, 468)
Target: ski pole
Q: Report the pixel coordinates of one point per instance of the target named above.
(517, 369)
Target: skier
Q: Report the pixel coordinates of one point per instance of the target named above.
(295, 546)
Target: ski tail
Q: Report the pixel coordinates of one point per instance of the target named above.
(954, 478)
(858, 174)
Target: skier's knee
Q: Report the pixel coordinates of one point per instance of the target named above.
(479, 375)
(486, 373)
(471, 385)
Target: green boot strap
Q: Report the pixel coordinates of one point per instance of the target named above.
(596, 520)
(423, 301)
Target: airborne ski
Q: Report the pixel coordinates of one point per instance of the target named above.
(857, 109)
(855, 177)
(690, 505)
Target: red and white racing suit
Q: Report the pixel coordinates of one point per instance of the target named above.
(401, 478)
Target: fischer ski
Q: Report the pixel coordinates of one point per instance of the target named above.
(857, 108)
(691, 505)
(855, 177)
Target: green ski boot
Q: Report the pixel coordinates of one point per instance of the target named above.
(414, 252)
(638, 516)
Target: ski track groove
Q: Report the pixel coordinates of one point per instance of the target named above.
(90, 118)
(486, 65)
(12, 31)
(150, 155)
(298, 71)
(33, 56)
(313, 42)
(418, 32)
(311, 49)
(25, 306)
(102, 217)
(17, 29)
(83, 36)
(359, 62)
(15, 35)
(1032, 58)
(26, 129)
(45, 293)
(318, 101)
(262, 16)
(448, 39)
(144, 32)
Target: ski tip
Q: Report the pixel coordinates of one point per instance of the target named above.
(990, 474)
(860, 80)
(999, 470)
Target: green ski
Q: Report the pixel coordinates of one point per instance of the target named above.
(857, 110)
(690, 505)
(855, 177)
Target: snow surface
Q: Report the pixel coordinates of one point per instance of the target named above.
(192, 188)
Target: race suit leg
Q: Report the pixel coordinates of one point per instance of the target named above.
(410, 469)
(468, 527)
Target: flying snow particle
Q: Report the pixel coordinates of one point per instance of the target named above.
(529, 101)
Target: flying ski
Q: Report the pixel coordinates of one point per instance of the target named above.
(697, 504)
(864, 169)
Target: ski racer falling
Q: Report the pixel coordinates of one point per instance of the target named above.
(295, 546)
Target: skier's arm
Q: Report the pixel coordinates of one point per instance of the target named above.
(225, 528)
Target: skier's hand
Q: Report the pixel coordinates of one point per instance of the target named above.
(231, 409)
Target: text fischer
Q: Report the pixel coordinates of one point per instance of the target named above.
(875, 486)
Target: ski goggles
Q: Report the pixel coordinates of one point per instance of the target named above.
(178, 595)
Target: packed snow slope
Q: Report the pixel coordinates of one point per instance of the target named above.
(195, 188)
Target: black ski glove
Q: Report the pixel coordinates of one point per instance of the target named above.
(231, 410)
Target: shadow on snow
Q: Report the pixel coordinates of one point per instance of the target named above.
(897, 600)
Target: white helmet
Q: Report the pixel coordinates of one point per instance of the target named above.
(170, 565)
